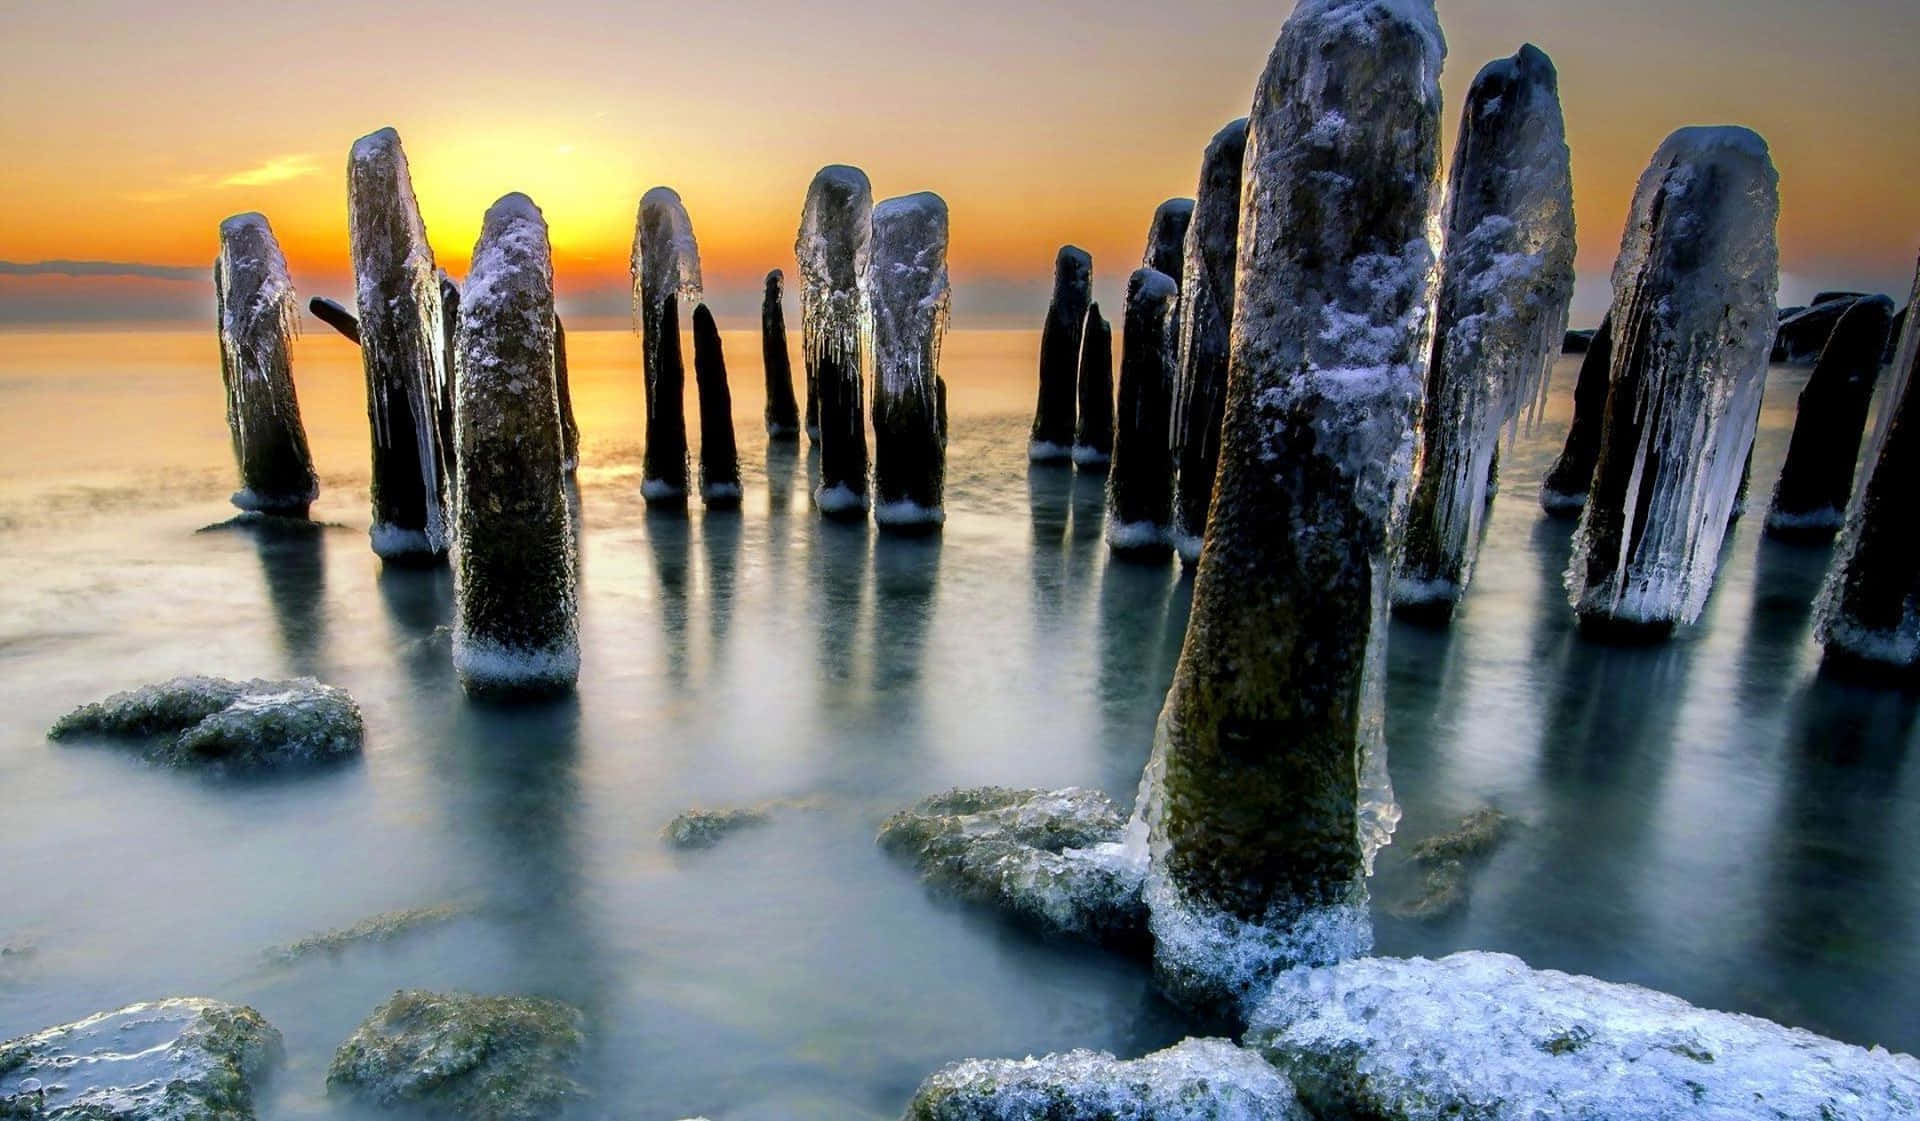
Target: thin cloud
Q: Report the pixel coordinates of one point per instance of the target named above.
(101, 268)
(276, 170)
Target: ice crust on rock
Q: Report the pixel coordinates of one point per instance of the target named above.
(211, 721)
(910, 296)
(259, 317)
(834, 248)
(1194, 1080)
(1505, 283)
(1816, 481)
(1481, 1035)
(1693, 321)
(1051, 438)
(665, 268)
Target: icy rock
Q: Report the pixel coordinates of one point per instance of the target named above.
(210, 721)
(1052, 859)
(1810, 499)
(1870, 608)
(1693, 313)
(1051, 439)
(402, 347)
(515, 627)
(1167, 237)
(378, 929)
(1194, 1080)
(719, 458)
(833, 248)
(1801, 336)
(1563, 493)
(1206, 310)
(666, 274)
(1482, 1035)
(184, 1059)
(1266, 794)
(1140, 480)
(703, 829)
(465, 1057)
(782, 411)
(1505, 283)
(1093, 435)
(337, 317)
(258, 319)
(563, 394)
(910, 295)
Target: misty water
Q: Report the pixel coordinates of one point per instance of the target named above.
(1707, 816)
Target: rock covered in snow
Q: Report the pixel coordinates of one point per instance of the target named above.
(211, 721)
(910, 294)
(1482, 1035)
(1051, 439)
(1816, 482)
(1563, 493)
(1093, 433)
(719, 457)
(1140, 479)
(782, 410)
(259, 317)
(833, 248)
(464, 1057)
(1194, 1080)
(665, 268)
(184, 1059)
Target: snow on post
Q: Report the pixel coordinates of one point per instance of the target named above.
(909, 293)
(666, 273)
(569, 429)
(1206, 308)
(1810, 500)
(719, 458)
(1563, 493)
(1870, 609)
(1505, 282)
(1140, 481)
(1052, 437)
(836, 232)
(258, 319)
(403, 348)
(1093, 435)
(1693, 322)
(1266, 794)
(782, 412)
(514, 626)
(1167, 238)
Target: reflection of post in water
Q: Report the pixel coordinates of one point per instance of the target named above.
(837, 552)
(419, 603)
(1049, 495)
(1086, 542)
(720, 547)
(293, 561)
(906, 572)
(783, 459)
(667, 535)
(1552, 545)
(1132, 677)
(1786, 581)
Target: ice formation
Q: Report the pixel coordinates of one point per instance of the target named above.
(835, 239)
(782, 412)
(1810, 500)
(1483, 1036)
(1563, 493)
(445, 391)
(234, 725)
(456, 1055)
(1167, 237)
(1206, 309)
(1505, 282)
(1870, 608)
(1693, 320)
(1194, 1080)
(666, 275)
(337, 317)
(402, 346)
(1140, 479)
(719, 458)
(563, 394)
(909, 292)
(1266, 794)
(1093, 435)
(258, 318)
(1053, 421)
(514, 627)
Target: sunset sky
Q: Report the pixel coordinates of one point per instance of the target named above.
(131, 129)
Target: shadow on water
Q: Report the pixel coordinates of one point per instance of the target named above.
(1134, 670)
(783, 460)
(1786, 582)
(1086, 541)
(906, 579)
(669, 537)
(720, 534)
(838, 558)
(419, 603)
(1049, 505)
(294, 564)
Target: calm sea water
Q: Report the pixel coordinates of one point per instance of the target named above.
(1708, 816)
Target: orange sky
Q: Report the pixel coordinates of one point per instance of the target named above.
(130, 135)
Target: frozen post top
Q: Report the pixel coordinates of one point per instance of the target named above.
(782, 414)
(1053, 416)
(1167, 238)
(1816, 482)
(403, 348)
(1505, 283)
(1140, 480)
(1266, 795)
(514, 626)
(909, 292)
(833, 247)
(666, 258)
(665, 270)
(1693, 322)
(258, 319)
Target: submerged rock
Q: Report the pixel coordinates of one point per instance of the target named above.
(719, 457)
(909, 294)
(703, 829)
(1483, 1036)
(1093, 434)
(1051, 439)
(1053, 859)
(1816, 482)
(1194, 1080)
(1563, 493)
(666, 274)
(184, 1059)
(833, 248)
(259, 317)
(1140, 480)
(386, 927)
(464, 1057)
(243, 725)
(782, 413)
(1443, 862)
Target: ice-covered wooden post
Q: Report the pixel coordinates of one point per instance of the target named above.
(836, 231)
(1140, 481)
(258, 318)
(337, 317)
(444, 391)
(514, 625)
(1693, 322)
(1810, 500)
(402, 347)
(1870, 610)
(1563, 493)
(909, 293)
(1052, 437)
(1505, 281)
(569, 430)
(666, 273)
(1206, 308)
(1167, 238)
(719, 458)
(1093, 434)
(1266, 794)
(782, 411)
